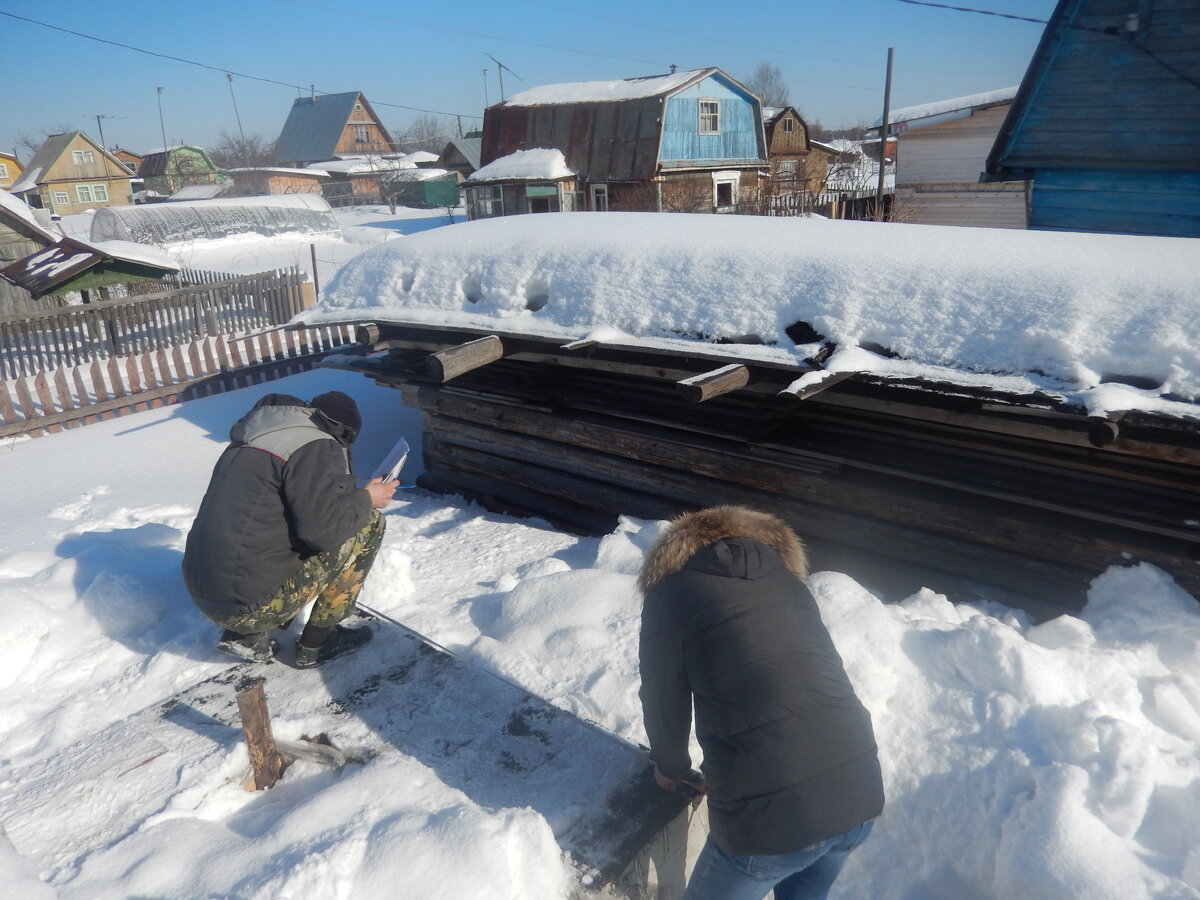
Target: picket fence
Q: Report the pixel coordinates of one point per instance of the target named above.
(66, 368)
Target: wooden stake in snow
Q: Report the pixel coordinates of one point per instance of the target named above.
(265, 757)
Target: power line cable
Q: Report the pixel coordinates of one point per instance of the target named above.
(1108, 32)
(222, 69)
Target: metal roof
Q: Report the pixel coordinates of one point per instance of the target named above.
(315, 125)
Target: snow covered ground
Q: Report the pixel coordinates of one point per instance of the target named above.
(1055, 761)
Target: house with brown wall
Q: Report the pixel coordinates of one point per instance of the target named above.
(71, 173)
(325, 126)
(797, 165)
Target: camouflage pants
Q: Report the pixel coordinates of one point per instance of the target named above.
(334, 578)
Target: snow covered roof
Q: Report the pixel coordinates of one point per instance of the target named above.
(605, 91)
(314, 171)
(50, 269)
(1016, 311)
(363, 165)
(203, 191)
(953, 105)
(539, 163)
(13, 209)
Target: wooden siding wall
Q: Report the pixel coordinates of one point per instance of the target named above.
(1000, 205)
(1119, 202)
(954, 151)
(681, 138)
(1107, 100)
(788, 143)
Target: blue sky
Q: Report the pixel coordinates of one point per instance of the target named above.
(409, 57)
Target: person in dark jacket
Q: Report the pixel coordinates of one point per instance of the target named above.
(282, 524)
(790, 764)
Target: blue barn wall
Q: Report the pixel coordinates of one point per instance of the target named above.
(1162, 203)
(681, 140)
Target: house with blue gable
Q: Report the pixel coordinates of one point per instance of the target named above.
(1106, 123)
(681, 142)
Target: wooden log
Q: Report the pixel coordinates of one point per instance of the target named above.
(265, 758)
(798, 392)
(454, 361)
(707, 385)
(367, 334)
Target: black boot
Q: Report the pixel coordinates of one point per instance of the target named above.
(257, 647)
(341, 640)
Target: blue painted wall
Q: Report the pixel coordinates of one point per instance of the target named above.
(1115, 201)
(681, 138)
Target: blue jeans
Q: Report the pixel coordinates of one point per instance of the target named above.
(807, 874)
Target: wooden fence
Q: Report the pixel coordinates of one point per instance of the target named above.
(67, 367)
(71, 336)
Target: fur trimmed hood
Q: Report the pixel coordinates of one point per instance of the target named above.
(694, 530)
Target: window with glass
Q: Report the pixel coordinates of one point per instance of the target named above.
(61, 198)
(710, 116)
(83, 193)
(83, 157)
(789, 125)
(489, 202)
(362, 134)
(3, 171)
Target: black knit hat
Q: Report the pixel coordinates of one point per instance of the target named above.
(342, 412)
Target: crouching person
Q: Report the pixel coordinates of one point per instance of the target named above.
(790, 764)
(281, 524)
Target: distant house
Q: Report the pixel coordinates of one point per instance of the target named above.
(71, 173)
(326, 126)
(267, 180)
(526, 181)
(688, 141)
(1106, 123)
(461, 155)
(130, 159)
(942, 149)
(10, 170)
(798, 165)
(171, 169)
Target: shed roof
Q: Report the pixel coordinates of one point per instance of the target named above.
(54, 269)
(946, 109)
(315, 124)
(19, 217)
(607, 91)
(525, 165)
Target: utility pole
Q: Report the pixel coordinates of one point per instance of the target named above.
(883, 136)
(161, 127)
(235, 109)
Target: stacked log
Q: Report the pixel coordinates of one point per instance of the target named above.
(900, 484)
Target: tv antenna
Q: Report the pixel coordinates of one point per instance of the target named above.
(502, 67)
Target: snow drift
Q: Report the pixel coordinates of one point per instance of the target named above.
(1062, 311)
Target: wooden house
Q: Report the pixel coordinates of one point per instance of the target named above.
(130, 159)
(1106, 124)
(461, 155)
(20, 235)
(267, 180)
(171, 169)
(10, 170)
(942, 149)
(797, 164)
(325, 126)
(684, 142)
(71, 173)
(525, 181)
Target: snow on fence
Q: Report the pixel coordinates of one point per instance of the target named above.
(71, 396)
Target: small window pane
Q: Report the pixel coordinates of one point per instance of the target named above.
(710, 116)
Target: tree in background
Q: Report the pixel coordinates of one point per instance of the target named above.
(426, 132)
(235, 151)
(767, 82)
(31, 142)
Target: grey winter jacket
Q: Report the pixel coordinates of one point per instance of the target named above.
(789, 752)
(280, 493)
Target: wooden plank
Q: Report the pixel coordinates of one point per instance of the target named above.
(8, 414)
(25, 399)
(42, 387)
(452, 362)
(707, 385)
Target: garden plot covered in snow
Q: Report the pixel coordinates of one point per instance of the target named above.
(210, 220)
(1109, 322)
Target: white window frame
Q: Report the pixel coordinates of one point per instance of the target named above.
(362, 134)
(710, 118)
(731, 178)
(4, 171)
(61, 198)
(599, 194)
(91, 193)
(789, 125)
(83, 157)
